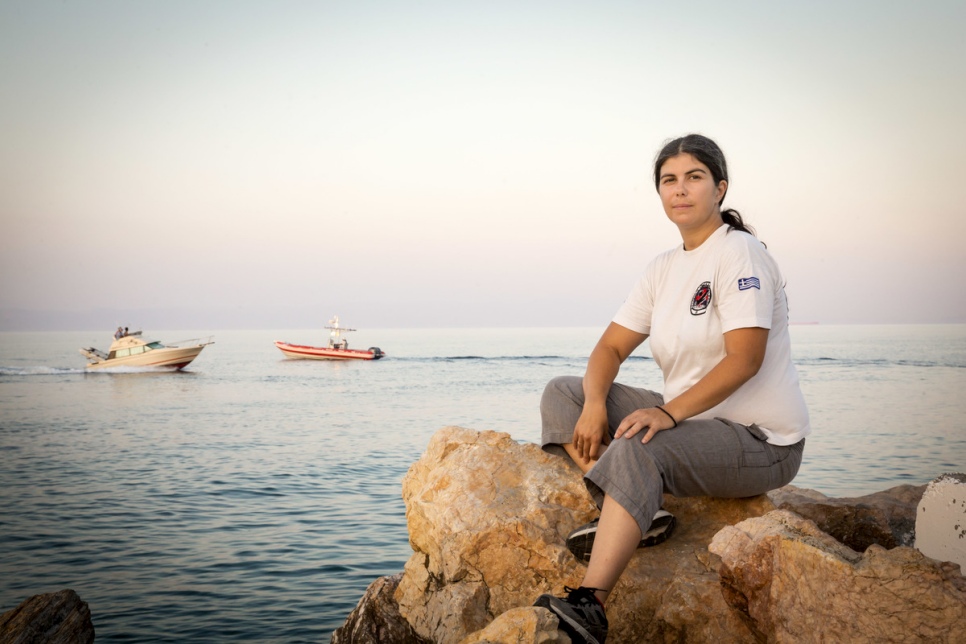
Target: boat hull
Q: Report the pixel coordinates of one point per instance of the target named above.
(174, 358)
(302, 352)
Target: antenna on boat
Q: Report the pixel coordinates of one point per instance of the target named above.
(334, 325)
(335, 336)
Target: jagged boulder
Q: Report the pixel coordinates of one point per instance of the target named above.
(485, 516)
(796, 583)
(52, 618)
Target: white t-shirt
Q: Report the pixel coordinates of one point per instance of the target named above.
(687, 300)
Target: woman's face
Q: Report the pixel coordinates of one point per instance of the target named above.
(690, 196)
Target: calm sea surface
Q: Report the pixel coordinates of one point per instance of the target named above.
(253, 498)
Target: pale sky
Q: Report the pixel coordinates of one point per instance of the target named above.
(212, 165)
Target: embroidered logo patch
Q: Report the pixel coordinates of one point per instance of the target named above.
(701, 299)
(745, 283)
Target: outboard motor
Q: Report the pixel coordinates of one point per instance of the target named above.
(376, 353)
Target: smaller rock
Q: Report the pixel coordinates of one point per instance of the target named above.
(530, 625)
(886, 518)
(941, 520)
(51, 618)
(376, 619)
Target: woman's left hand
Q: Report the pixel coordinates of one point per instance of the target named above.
(652, 419)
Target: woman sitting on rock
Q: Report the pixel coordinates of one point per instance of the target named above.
(732, 421)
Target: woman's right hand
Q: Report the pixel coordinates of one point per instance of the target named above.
(591, 432)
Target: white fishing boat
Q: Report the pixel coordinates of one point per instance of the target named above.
(132, 350)
(337, 349)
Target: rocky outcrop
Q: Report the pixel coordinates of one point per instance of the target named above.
(52, 618)
(487, 521)
(488, 517)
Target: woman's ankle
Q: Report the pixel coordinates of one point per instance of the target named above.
(599, 594)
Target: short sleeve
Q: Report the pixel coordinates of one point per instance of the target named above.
(747, 281)
(635, 312)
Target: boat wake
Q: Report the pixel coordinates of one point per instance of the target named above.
(136, 370)
(38, 371)
(62, 371)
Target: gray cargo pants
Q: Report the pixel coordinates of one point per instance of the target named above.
(717, 457)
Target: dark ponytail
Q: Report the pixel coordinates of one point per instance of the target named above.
(733, 218)
(707, 152)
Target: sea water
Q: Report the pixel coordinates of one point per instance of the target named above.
(254, 498)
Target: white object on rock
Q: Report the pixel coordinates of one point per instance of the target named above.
(941, 520)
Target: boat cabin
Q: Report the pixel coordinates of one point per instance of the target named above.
(131, 345)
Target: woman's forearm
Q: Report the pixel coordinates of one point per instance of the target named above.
(745, 352)
(605, 361)
(714, 388)
(602, 368)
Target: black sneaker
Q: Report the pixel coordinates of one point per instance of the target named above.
(581, 541)
(581, 615)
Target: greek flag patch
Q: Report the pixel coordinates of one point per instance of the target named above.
(745, 283)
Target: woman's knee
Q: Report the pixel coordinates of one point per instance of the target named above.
(629, 454)
(562, 390)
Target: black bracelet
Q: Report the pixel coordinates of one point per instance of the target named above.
(669, 416)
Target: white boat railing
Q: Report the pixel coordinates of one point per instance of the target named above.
(193, 342)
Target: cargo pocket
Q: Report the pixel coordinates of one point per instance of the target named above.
(755, 431)
(755, 450)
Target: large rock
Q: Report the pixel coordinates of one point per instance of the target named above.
(485, 516)
(798, 584)
(52, 618)
(488, 517)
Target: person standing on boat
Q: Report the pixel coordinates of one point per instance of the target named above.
(119, 333)
(732, 420)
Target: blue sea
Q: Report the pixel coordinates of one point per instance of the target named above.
(254, 498)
